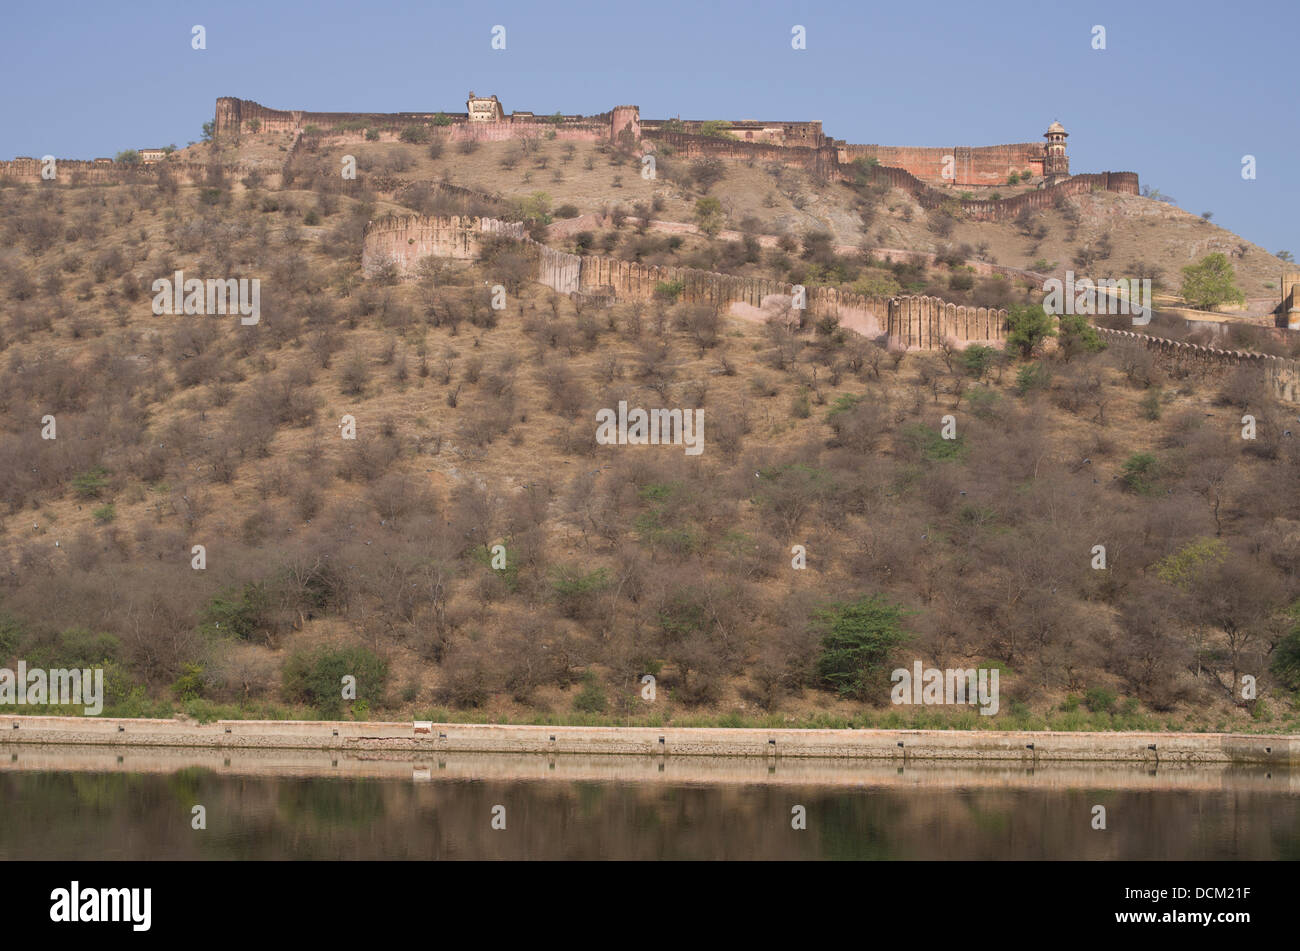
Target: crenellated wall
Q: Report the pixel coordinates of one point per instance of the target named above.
(908, 322)
(1125, 183)
(1281, 375)
(77, 172)
(235, 117)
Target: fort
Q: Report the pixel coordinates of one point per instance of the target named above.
(965, 178)
(803, 143)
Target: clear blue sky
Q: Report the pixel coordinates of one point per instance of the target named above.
(1181, 93)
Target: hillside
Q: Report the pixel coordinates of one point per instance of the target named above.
(475, 428)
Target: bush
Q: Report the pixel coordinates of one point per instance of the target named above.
(91, 483)
(189, 685)
(857, 639)
(976, 360)
(567, 211)
(1100, 700)
(591, 699)
(1035, 376)
(238, 612)
(104, 514)
(1150, 404)
(315, 677)
(669, 290)
(1285, 665)
(415, 135)
(1141, 471)
(574, 592)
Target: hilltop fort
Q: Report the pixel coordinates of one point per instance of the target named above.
(967, 174)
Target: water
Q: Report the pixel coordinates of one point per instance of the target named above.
(77, 803)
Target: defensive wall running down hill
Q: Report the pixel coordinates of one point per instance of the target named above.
(905, 322)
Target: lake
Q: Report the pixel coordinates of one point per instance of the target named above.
(131, 803)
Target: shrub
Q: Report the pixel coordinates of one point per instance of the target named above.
(976, 360)
(592, 698)
(91, 483)
(237, 611)
(1077, 336)
(1140, 473)
(1034, 376)
(1099, 699)
(104, 514)
(574, 592)
(415, 135)
(189, 685)
(1285, 665)
(315, 677)
(1150, 404)
(857, 639)
(669, 290)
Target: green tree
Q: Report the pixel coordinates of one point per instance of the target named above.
(976, 360)
(315, 677)
(1210, 283)
(716, 129)
(1141, 472)
(1029, 326)
(857, 638)
(1077, 336)
(1286, 656)
(708, 215)
(536, 207)
(127, 157)
(209, 130)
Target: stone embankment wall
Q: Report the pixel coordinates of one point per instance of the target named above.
(901, 745)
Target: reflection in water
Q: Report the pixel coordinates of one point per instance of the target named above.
(427, 811)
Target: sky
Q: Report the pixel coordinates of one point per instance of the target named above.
(1182, 92)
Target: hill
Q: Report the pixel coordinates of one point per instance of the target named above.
(475, 428)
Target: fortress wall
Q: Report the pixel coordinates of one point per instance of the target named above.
(771, 132)
(528, 128)
(1281, 375)
(820, 162)
(406, 239)
(234, 115)
(911, 322)
(77, 172)
(988, 210)
(980, 165)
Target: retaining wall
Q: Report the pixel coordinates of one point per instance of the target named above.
(900, 745)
